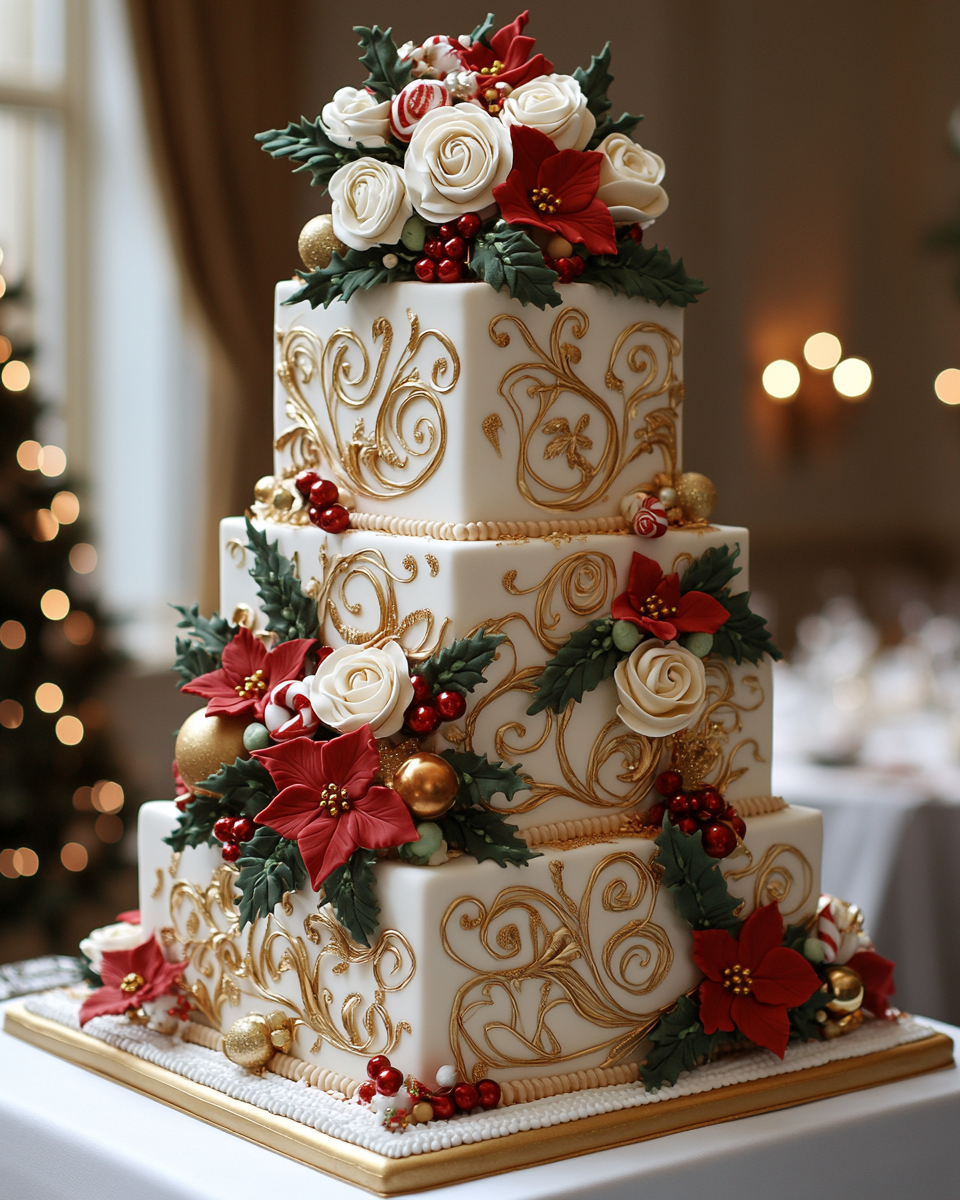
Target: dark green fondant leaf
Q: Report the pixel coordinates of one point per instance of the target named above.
(388, 75)
(581, 664)
(269, 865)
(712, 571)
(699, 890)
(351, 891)
(594, 83)
(241, 789)
(485, 835)
(308, 145)
(482, 32)
(803, 1019)
(480, 780)
(744, 636)
(355, 271)
(290, 614)
(460, 666)
(201, 650)
(648, 272)
(678, 1043)
(505, 257)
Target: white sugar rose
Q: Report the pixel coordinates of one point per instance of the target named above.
(355, 687)
(556, 106)
(121, 936)
(353, 115)
(455, 159)
(630, 181)
(661, 688)
(370, 203)
(411, 105)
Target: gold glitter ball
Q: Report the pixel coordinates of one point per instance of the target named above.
(248, 1044)
(318, 242)
(205, 743)
(427, 784)
(264, 488)
(696, 495)
(392, 757)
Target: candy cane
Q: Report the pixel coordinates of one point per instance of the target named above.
(646, 515)
(288, 712)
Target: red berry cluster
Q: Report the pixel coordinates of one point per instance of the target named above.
(321, 496)
(636, 232)
(703, 808)
(427, 710)
(462, 1097)
(567, 268)
(444, 254)
(232, 831)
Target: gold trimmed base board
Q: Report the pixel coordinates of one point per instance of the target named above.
(395, 1176)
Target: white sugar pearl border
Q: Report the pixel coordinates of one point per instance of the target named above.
(353, 1123)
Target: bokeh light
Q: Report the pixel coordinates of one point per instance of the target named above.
(74, 856)
(822, 351)
(65, 507)
(6, 348)
(108, 828)
(11, 714)
(781, 379)
(54, 604)
(7, 869)
(78, 628)
(46, 526)
(49, 698)
(83, 558)
(853, 378)
(947, 386)
(12, 635)
(52, 461)
(15, 376)
(28, 455)
(25, 861)
(107, 796)
(69, 731)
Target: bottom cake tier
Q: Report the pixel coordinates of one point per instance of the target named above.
(553, 973)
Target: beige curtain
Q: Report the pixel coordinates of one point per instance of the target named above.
(214, 73)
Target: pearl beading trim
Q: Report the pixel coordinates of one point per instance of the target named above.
(521, 1091)
(354, 1123)
(485, 531)
(759, 806)
(563, 831)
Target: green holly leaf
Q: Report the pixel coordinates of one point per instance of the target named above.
(485, 835)
(505, 257)
(245, 787)
(482, 32)
(744, 636)
(648, 272)
(481, 780)
(201, 650)
(270, 866)
(595, 83)
(460, 666)
(678, 1043)
(290, 614)
(699, 890)
(355, 271)
(803, 1019)
(195, 823)
(712, 571)
(388, 75)
(581, 664)
(351, 890)
(308, 144)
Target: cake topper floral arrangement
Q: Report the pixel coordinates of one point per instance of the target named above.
(469, 158)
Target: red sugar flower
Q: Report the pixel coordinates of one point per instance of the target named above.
(130, 978)
(877, 975)
(653, 602)
(242, 684)
(328, 802)
(752, 981)
(556, 191)
(506, 58)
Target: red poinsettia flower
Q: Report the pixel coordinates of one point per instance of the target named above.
(507, 58)
(328, 802)
(556, 191)
(247, 674)
(653, 602)
(752, 980)
(130, 978)
(877, 975)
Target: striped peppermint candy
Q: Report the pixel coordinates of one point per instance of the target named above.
(288, 713)
(645, 513)
(411, 105)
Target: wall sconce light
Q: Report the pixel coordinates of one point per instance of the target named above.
(947, 386)
(852, 377)
(781, 380)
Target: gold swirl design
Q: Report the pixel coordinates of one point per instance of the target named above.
(774, 879)
(206, 931)
(492, 1026)
(409, 436)
(620, 440)
(700, 752)
(587, 582)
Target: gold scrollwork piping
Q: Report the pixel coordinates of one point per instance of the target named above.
(158, 886)
(238, 552)
(214, 955)
(491, 426)
(433, 563)
(775, 881)
(552, 375)
(530, 938)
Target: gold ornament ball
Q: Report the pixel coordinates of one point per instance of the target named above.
(427, 784)
(696, 495)
(247, 1042)
(205, 743)
(264, 488)
(282, 500)
(422, 1112)
(318, 242)
(846, 989)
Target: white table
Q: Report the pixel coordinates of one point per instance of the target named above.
(891, 845)
(66, 1133)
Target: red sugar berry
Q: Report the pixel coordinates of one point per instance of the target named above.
(334, 519)
(577, 264)
(324, 493)
(305, 481)
(455, 247)
(488, 1093)
(425, 270)
(243, 829)
(223, 829)
(686, 825)
(183, 802)
(433, 248)
(422, 691)
(465, 1096)
(668, 783)
(367, 1091)
(422, 718)
(469, 225)
(389, 1081)
(679, 804)
(449, 270)
(313, 513)
(636, 232)
(447, 231)
(442, 1104)
(451, 705)
(655, 814)
(231, 852)
(378, 1063)
(736, 821)
(719, 840)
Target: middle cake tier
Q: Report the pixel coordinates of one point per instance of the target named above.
(581, 763)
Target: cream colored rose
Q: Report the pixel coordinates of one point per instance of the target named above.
(370, 203)
(121, 936)
(355, 687)
(661, 688)
(353, 115)
(455, 159)
(556, 106)
(630, 181)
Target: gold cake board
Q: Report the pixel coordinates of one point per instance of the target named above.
(394, 1176)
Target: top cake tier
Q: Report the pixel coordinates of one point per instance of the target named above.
(457, 404)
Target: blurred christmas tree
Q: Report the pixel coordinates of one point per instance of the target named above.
(60, 801)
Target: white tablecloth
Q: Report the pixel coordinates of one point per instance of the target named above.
(66, 1133)
(891, 844)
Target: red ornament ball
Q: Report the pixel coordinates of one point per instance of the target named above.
(223, 829)
(231, 852)
(488, 1093)
(655, 814)
(449, 270)
(334, 519)
(305, 481)
(324, 493)
(243, 829)
(679, 804)
(422, 718)
(686, 825)
(425, 270)
(668, 783)
(451, 705)
(442, 1103)
(367, 1091)
(433, 248)
(468, 225)
(378, 1063)
(465, 1096)
(422, 691)
(389, 1081)
(719, 840)
(455, 248)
